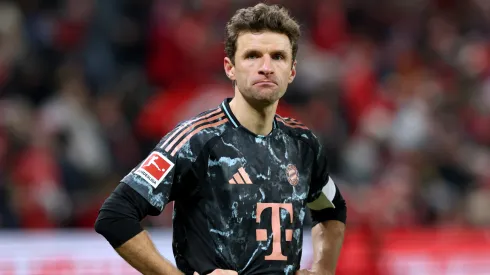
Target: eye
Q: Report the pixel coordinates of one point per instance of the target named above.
(252, 56)
(278, 56)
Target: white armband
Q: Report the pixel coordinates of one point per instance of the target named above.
(325, 200)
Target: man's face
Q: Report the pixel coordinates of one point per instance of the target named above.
(263, 66)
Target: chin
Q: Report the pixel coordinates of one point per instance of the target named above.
(266, 98)
(262, 96)
(267, 95)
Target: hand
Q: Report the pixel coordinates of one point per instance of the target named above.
(221, 272)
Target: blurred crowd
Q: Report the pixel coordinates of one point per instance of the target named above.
(398, 91)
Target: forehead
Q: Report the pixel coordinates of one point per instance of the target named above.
(263, 41)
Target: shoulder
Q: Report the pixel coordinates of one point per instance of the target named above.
(297, 130)
(190, 136)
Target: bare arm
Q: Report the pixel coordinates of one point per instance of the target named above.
(327, 240)
(119, 222)
(328, 215)
(140, 253)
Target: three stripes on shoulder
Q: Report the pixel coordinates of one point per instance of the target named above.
(291, 122)
(187, 130)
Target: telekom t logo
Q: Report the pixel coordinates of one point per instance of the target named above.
(276, 228)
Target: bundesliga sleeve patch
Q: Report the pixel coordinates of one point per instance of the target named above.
(154, 169)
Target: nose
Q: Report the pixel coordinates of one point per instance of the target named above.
(266, 66)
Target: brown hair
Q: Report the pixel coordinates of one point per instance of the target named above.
(259, 18)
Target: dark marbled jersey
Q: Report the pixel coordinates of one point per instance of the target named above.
(240, 200)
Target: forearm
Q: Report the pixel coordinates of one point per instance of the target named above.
(327, 240)
(119, 222)
(140, 253)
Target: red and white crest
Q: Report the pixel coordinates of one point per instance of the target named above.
(154, 169)
(292, 174)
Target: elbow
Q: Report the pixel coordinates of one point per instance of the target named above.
(120, 215)
(102, 226)
(105, 226)
(98, 225)
(116, 229)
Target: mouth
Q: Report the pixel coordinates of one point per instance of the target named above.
(265, 82)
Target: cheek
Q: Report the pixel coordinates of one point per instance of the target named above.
(245, 75)
(286, 76)
(242, 77)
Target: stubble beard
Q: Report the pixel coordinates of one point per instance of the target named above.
(262, 96)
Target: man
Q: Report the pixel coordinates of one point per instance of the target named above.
(240, 176)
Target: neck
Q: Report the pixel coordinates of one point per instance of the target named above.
(257, 119)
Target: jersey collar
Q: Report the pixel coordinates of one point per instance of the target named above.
(225, 106)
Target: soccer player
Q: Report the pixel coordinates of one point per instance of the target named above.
(240, 176)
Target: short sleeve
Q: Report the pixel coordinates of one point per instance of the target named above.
(159, 177)
(324, 199)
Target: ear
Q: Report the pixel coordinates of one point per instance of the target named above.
(229, 69)
(293, 72)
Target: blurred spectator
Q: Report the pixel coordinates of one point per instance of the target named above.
(69, 114)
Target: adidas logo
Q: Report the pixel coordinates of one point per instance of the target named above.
(240, 177)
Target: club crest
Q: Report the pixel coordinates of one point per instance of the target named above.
(292, 174)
